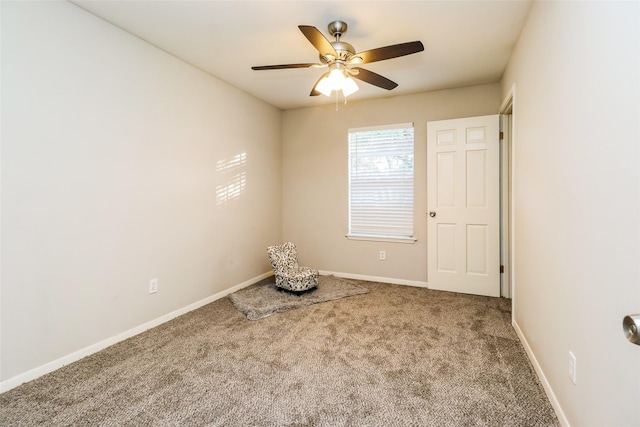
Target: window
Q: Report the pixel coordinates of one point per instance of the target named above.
(381, 183)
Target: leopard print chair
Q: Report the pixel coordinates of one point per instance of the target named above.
(290, 276)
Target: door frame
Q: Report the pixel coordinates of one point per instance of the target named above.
(507, 197)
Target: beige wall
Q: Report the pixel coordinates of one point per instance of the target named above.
(315, 178)
(116, 161)
(577, 203)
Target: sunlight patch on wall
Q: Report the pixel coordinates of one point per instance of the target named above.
(235, 177)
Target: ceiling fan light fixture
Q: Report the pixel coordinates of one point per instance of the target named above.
(338, 81)
(349, 86)
(324, 86)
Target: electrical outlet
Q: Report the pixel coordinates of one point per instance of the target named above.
(383, 255)
(572, 368)
(153, 286)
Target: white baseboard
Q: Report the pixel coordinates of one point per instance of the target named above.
(94, 348)
(376, 279)
(562, 418)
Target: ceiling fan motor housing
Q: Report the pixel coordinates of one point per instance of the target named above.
(343, 49)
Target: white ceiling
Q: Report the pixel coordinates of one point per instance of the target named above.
(466, 42)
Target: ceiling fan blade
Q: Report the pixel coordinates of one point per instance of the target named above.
(314, 91)
(318, 40)
(388, 52)
(283, 66)
(373, 78)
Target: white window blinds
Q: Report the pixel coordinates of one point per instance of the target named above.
(381, 181)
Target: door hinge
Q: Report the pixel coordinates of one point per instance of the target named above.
(501, 135)
(502, 269)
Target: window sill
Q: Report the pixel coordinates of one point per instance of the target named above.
(373, 238)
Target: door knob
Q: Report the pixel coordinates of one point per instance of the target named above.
(432, 214)
(631, 328)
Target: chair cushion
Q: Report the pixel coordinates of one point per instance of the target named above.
(297, 280)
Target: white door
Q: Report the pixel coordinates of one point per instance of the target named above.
(463, 217)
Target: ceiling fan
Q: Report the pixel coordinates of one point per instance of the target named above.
(340, 57)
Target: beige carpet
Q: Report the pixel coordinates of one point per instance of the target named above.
(397, 356)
